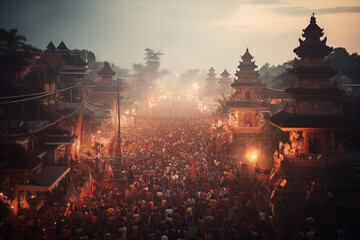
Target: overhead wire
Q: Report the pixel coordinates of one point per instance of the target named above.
(37, 97)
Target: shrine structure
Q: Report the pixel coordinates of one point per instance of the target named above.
(211, 85)
(224, 83)
(104, 96)
(311, 176)
(315, 112)
(245, 104)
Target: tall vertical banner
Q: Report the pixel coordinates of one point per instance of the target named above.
(77, 143)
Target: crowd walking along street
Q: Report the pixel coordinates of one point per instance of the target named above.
(168, 185)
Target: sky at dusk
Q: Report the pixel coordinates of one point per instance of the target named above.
(192, 34)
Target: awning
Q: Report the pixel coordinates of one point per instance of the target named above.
(46, 180)
(58, 140)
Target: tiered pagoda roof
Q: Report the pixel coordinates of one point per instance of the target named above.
(247, 75)
(211, 76)
(315, 98)
(312, 44)
(225, 78)
(106, 70)
(247, 83)
(62, 47)
(50, 47)
(72, 63)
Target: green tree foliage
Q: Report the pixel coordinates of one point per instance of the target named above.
(348, 66)
(276, 76)
(14, 41)
(150, 71)
(12, 38)
(82, 53)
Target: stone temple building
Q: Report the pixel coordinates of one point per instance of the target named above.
(311, 176)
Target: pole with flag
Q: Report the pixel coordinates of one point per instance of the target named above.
(118, 145)
(91, 185)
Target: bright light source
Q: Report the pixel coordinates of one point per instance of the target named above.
(196, 86)
(252, 155)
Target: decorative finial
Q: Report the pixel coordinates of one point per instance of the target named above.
(313, 19)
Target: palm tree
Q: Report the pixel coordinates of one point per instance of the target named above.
(12, 39)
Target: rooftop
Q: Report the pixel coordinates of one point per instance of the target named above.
(17, 158)
(315, 91)
(106, 70)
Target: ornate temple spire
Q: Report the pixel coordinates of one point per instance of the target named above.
(106, 70)
(211, 75)
(247, 56)
(312, 44)
(50, 47)
(225, 74)
(246, 70)
(62, 48)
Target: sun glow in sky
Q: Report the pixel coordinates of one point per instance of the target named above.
(191, 34)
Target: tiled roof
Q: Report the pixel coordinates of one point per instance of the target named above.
(62, 46)
(54, 59)
(314, 91)
(50, 176)
(250, 84)
(106, 70)
(73, 59)
(57, 139)
(274, 93)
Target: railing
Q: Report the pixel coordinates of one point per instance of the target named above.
(243, 129)
(313, 161)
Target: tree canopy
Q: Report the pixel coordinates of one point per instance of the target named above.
(348, 65)
(149, 72)
(276, 76)
(11, 40)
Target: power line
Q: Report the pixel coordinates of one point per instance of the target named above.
(43, 128)
(37, 97)
(25, 95)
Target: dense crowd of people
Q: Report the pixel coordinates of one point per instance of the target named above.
(174, 188)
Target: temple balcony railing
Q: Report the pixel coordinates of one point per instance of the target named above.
(312, 161)
(248, 129)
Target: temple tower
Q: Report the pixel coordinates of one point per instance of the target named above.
(211, 85)
(313, 158)
(224, 83)
(246, 103)
(315, 111)
(106, 74)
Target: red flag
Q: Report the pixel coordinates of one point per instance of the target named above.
(84, 190)
(89, 187)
